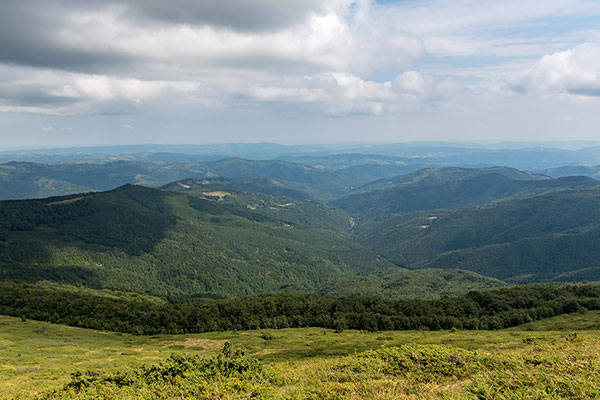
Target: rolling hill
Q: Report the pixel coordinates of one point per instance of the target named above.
(582, 170)
(172, 244)
(451, 188)
(553, 236)
(266, 186)
(23, 180)
(213, 236)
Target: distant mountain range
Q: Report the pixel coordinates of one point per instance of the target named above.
(326, 172)
(21, 180)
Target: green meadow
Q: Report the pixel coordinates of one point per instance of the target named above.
(548, 359)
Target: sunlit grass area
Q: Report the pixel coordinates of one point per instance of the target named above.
(38, 357)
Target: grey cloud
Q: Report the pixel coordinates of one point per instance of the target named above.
(31, 95)
(42, 33)
(253, 15)
(587, 91)
(30, 35)
(246, 15)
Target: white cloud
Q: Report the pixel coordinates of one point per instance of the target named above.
(55, 92)
(127, 126)
(571, 72)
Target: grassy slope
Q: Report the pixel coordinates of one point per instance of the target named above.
(395, 284)
(566, 322)
(37, 357)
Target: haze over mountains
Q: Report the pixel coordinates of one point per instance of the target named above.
(332, 170)
(185, 225)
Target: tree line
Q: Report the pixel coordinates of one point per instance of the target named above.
(140, 314)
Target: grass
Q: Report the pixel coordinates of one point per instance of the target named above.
(37, 357)
(566, 322)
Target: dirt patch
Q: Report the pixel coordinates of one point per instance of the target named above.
(27, 368)
(264, 352)
(205, 344)
(183, 185)
(68, 201)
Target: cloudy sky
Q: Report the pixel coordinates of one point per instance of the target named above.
(93, 72)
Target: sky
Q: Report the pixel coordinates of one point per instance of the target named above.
(104, 72)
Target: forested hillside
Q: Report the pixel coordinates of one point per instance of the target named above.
(171, 244)
(549, 237)
(592, 171)
(451, 188)
(224, 237)
(22, 180)
(268, 186)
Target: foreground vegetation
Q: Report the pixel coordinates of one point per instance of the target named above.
(42, 360)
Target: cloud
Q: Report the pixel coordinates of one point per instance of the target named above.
(110, 57)
(248, 15)
(574, 72)
(49, 129)
(68, 57)
(127, 126)
(66, 93)
(108, 37)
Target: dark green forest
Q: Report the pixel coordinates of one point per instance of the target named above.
(139, 314)
(210, 238)
(449, 191)
(523, 240)
(170, 244)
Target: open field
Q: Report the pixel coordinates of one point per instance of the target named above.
(37, 357)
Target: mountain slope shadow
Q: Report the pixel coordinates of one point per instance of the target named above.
(130, 218)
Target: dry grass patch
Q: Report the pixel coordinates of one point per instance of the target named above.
(204, 344)
(219, 194)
